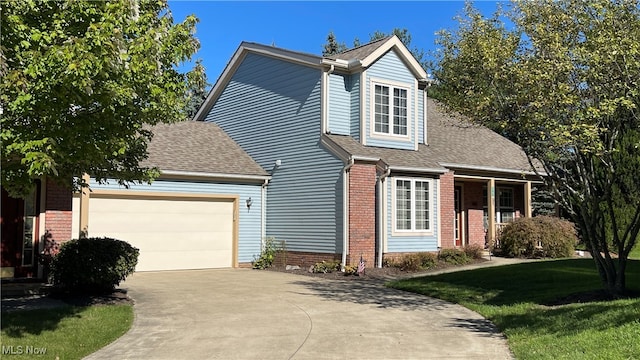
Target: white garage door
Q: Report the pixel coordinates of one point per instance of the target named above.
(171, 233)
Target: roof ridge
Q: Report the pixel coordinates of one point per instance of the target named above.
(363, 45)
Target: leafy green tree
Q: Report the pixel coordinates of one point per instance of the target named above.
(332, 46)
(562, 81)
(80, 82)
(197, 88)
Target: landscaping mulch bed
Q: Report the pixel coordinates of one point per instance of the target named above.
(384, 273)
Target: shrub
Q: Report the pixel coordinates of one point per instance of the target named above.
(540, 236)
(93, 265)
(473, 251)
(414, 262)
(351, 270)
(453, 256)
(268, 254)
(327, 267)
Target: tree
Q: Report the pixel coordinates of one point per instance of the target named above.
(197, 88)
(81, 82)
(332, 46)
(563, 83)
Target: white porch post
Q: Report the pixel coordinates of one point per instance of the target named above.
(527, 199)
(491, 210)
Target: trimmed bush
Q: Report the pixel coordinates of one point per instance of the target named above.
(414, 262)
(93, 265)
(454, 256)
(473, 251)
(540, 236)
(327, 267)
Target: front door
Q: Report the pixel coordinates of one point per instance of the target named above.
(19, 235)
(458, 224)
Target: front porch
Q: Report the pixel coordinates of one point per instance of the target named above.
(483, 205)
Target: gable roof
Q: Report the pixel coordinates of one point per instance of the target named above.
(453, 143)
(365, 55)
(350, 60)
(199, 148)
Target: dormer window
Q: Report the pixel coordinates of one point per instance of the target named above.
(390, 109)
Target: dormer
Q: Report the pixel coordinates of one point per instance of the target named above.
(375, 93)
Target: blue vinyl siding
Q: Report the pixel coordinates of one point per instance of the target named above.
(355, 106)
(412, 243)
(390, 67)
(339, 104)
(249, 224)
(272, 109)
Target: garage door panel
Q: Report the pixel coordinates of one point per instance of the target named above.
(171, 260)
(171, 233)
(175, 223)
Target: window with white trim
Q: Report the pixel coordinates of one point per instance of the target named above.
(391, 109)
(412, 205)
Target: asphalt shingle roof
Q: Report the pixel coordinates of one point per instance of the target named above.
(199, 147)
(360, 52)
(452, 140)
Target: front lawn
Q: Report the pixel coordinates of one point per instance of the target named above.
(64, 333)
(521, 300)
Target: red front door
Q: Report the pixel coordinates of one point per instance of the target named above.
(19, 243)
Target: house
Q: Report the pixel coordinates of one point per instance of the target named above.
(363, 164)
(206, 209)
(340, 157)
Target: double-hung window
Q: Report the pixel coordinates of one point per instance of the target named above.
(412, 205)
(390, 110)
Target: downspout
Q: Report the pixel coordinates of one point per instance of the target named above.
(345, 211)
(263, 214)
(381, 181)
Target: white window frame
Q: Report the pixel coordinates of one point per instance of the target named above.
(432, 207)
(392, 85)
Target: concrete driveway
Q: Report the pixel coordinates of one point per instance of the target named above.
(249, 314)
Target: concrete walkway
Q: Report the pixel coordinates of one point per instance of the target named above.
(248, 314)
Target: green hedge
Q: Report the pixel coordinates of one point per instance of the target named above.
(93, 265)
(540, 236)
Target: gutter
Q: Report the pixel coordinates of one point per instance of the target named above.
(491, 168)
(418, 169)
(215, 175)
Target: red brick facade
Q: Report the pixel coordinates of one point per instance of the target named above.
(362, 214)
(58, 211)
(303, 259)
(474, 210)
(447, 211)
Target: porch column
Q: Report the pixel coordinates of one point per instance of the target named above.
(527, 199)
(491, 210)
(84, 209)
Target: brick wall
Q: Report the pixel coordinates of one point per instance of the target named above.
(473, 206)
(362, 216)
(447, 210)
(58, 211)
(303, 259)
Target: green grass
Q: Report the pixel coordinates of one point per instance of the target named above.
(64, 333)
(513, 298)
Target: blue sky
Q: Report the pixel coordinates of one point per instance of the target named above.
(303, 26)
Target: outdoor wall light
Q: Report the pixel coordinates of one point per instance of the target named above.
(249, 202)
